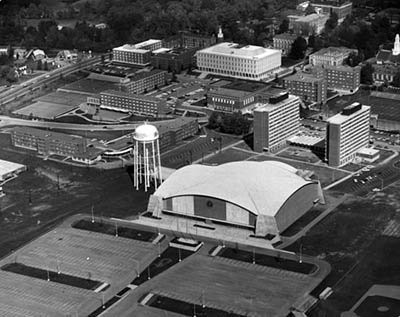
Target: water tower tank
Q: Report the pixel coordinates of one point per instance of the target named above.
(146, 151)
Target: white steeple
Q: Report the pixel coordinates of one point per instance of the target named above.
(220, 35)
(396, 49)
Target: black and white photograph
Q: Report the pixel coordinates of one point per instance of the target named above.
(201, 158)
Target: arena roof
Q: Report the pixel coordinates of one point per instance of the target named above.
(260, 187)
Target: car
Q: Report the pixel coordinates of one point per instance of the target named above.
(376, 189)
(355, 180)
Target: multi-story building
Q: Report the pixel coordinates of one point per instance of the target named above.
(171, 132)
(137, 104)
(331, 56)
(54, 143)
(234, 96)
(275, 122)
(197, 40)
(308, 87)
(150, 45)
(143, 82)
(346, 133)
(284, 42)
(177, 130)
(233, 60)
(385, 73)
(342, 8)
(341, 78)
(136, 54)
(174, 60)
(308, 24)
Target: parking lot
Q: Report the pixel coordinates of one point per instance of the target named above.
(371, 179)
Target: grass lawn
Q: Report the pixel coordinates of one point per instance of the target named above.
(187, 309)
(49, 192)
(52, 276)
(304, 220)
(267, 260)
(229, 155)
(350, 240)
(112, 229)
(196, 149)
(299, 154)
(381, 306)
(167, 259)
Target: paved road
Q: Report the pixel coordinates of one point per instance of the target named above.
(20, 90)
(8, 121)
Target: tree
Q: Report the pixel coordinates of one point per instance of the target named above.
(11, 76)
(332, 22)
(299, 48)
(39, 64)
(284, 27)
(366, 74)
(310, 9)
(215, 120)
(354, 59)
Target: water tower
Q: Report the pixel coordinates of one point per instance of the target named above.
(146, 152)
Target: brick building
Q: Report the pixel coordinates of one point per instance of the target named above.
(340, 78)
(143, 82)
(174, 60)
(308, 87)
(331, 56)
(234, 96)
(53, 143)
(137, 104)
(284, 42)
(342, 8)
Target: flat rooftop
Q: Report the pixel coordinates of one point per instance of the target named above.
(333, 51)
(340, 118)
(285, 36)
(303, 77)
(130, 48)
(129, 95)
(310, 18)
(45, 110)
(7, 167)
(234, 49)
(267, 107)
(245, 86)
(88, 86)
(306, 140)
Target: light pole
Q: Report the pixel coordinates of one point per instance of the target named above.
(301, 249)
(92, 213)
(381, 179)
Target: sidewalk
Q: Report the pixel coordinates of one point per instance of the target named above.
(289, 240)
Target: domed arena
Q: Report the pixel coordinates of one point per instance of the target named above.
(266, 197)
